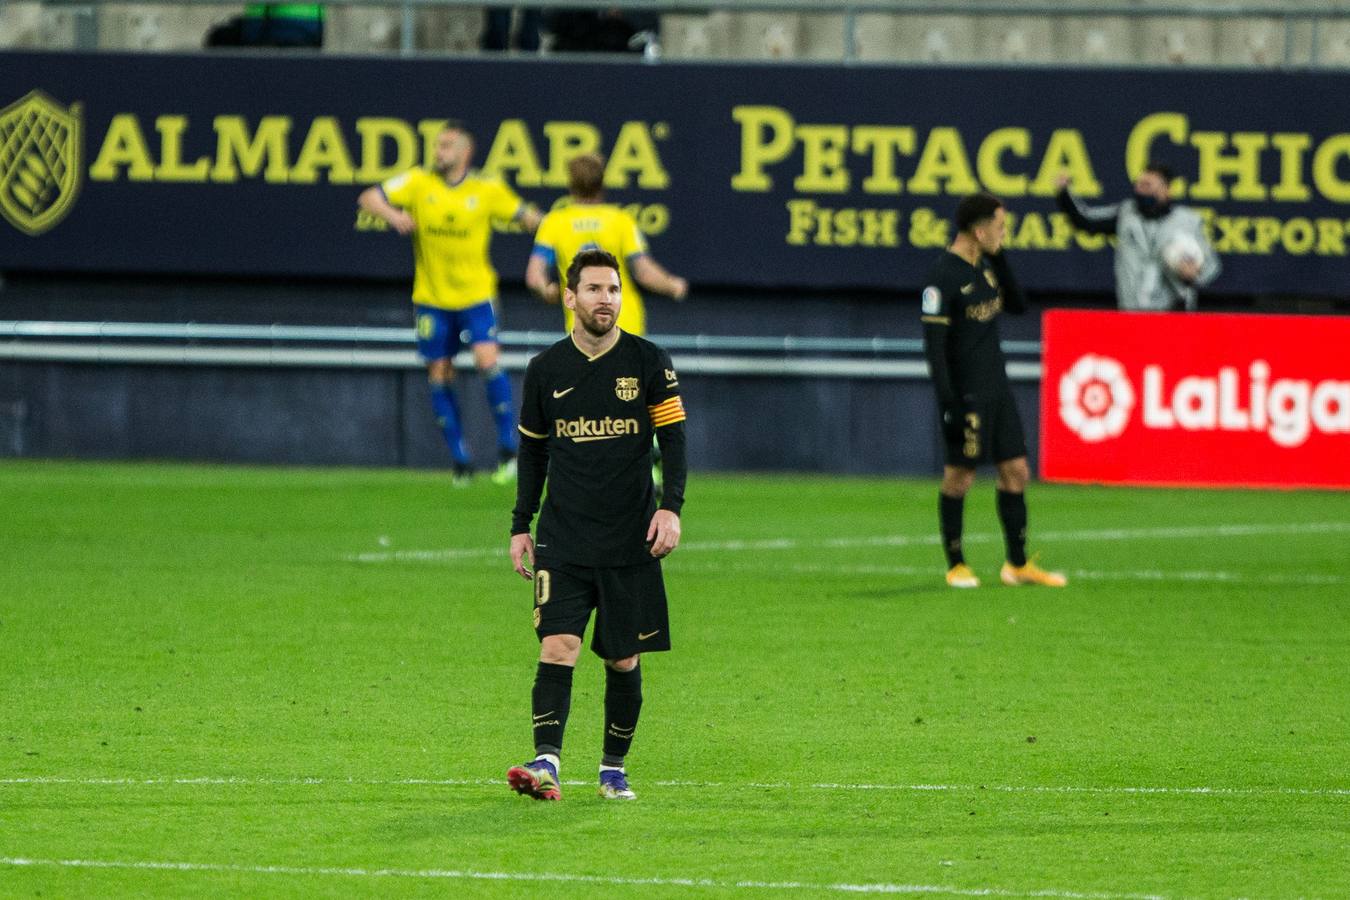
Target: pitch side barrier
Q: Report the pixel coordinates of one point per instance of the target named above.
(306, 346)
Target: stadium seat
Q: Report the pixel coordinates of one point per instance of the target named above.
(1332, 48)
(1251, 42)
(690, 36)
(362, 29)
(1016, 39)
(876, 36)
(1170, 40)
(938, 39)
(157, 27)
(35, 26)
(1105, 40)
(821, 37)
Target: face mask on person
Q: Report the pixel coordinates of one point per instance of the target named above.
(1150, 207)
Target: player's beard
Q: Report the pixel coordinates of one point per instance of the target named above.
(593, 327)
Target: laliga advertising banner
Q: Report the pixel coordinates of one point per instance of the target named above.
(1178, 399)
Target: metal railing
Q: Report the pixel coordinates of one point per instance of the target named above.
(309, 346)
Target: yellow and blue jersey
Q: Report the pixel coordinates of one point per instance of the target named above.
(567, 230)
(454, 225)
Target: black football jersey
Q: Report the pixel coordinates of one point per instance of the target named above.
(598, 415)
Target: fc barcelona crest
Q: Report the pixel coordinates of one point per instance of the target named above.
(626, 388)
(40, 148)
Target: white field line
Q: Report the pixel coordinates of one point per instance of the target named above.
(544, 877)
(901, 540)
(1122, 790)
(1083, 574)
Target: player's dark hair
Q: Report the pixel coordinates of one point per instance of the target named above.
(976, 208)
(1162, 170)
(586, 259)
(586, 176)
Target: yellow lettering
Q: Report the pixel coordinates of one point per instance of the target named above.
(1291, 188)
(801, 220)
(1032, 234)
(1266, 233)
(171, 167)
(1139, 145)
(1298, 236)
(884, 142)
(988, 161)
(881, 228)
(567, 141)
(324, 148)
(513, 151)
(375, 134)
(635, 152)
(237, 154)
(758, 148)
(1324, 169)
(123, 145)
(1061, 231)
(1245, 165)
(846, 227)
(944, 159)
(1066, 154)
(823, 158)
(1330, 237)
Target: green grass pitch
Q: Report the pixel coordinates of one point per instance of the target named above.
(288, 682)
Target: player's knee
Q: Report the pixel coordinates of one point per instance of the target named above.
(490, 371)
(957, 482)
(560, 649)
(1013, 476)
(440, 373)
(627, 664)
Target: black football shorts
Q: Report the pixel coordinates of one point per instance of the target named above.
(992, 431)
(629, 604)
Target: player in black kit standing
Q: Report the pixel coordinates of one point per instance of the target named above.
(967, 289)
(591, 404)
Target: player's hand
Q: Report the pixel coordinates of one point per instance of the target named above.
(679, 288)
(953, 422)
(522, 549)
(664, 533)
(402, 222)
(1188, 270)
(552, 293)
(1062, 180)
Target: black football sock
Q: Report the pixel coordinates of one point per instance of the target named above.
(552, 699)
(951, 511)
(623, 703)
(1012, 512)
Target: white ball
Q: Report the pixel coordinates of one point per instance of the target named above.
(1182, 249)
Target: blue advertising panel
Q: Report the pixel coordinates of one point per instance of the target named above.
(742, 175)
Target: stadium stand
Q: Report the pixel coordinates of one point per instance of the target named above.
(1246, 33)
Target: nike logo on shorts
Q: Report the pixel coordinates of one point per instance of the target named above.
(643, 637)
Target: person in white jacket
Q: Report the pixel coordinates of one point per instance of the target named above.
(1162, 253)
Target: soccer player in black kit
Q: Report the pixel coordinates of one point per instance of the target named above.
(967, 290)
(590, 405)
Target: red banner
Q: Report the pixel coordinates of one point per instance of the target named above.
(1195, 399)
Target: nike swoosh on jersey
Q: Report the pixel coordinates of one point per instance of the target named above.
(560, 394)
(643, 637)
(968, 288)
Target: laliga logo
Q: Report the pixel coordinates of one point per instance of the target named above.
(1095, 398)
